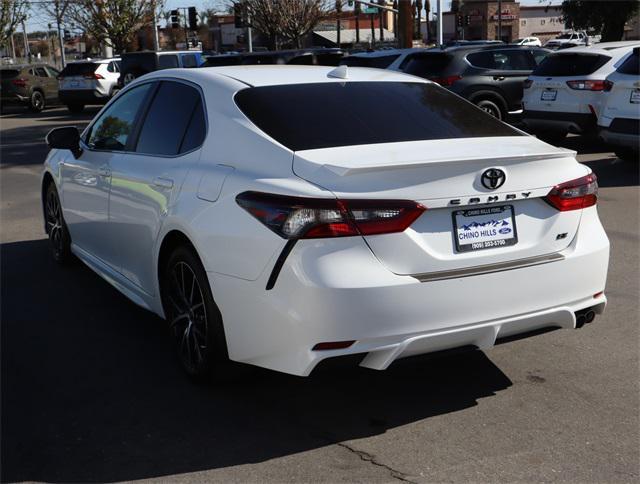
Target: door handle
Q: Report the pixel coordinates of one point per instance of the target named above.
(163, 182)
(498, 78)
(104, 171)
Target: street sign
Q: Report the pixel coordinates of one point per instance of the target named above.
(370, 10)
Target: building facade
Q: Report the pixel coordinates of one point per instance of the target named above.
(544, 22)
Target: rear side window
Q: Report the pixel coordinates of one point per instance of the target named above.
(40, 72)
(426, 65)
(631, 65)
(311, 116)
(168, 119)
(79, 69)
(379, 62)
(189, 60)
(8, 74)
(571, 64)
(167, 61)
(506, 60)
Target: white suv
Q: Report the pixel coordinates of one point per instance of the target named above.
(88, 82)
(619, 122)
(530, 41)
(563, 94)
(569, 38)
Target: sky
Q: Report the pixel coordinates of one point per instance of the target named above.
(38, 19)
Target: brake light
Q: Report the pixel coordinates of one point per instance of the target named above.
(575, 194)
(608, 85)
(527, 83)
(586, 85)
(446, 81)
(93, 76)
(19, 82)
(311, 218)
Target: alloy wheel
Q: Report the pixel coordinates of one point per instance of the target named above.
(188, 321)
(55, 223)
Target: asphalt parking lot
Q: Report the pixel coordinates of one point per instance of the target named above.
(91, 392)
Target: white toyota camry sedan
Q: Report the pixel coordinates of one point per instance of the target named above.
(283, 215)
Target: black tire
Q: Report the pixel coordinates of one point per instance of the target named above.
(551, 137)
(491, 107)
(56, 227)
(194, 320)
(75, 108)
(627, 154)
(36, 102)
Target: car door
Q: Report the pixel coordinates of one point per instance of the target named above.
(49, 84)
(513, 66)
(86, 180)
(53, 80)
(146, 183)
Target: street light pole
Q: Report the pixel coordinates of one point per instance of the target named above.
(156, 41)
(440, 42)
(499, 19)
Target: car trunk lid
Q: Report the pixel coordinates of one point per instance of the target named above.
(445, 176)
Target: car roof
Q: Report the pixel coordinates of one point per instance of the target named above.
(94, 61)
(16, 67)
(602, 47)
(274, 75)
(386, 52)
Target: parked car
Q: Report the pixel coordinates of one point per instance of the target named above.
(564, 92)
(88, 82)
(489, 76)
(530, 41)
(378, 59)
(136, 64)
(410, 224)
(619, 120)
(32, 85)
(568, 38)
(313, 56)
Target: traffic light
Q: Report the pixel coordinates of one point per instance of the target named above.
(239, 12)
(459, 20)
(193, 18)
(467, 21)
(175, 19)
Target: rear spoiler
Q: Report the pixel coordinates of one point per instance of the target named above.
(346, 170)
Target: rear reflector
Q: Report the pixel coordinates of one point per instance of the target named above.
(333, 345)
(312, 218)
(446, 81)
(598, 294)
(586, 85)
(575, 194)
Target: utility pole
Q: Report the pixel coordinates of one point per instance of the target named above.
(27, 52)
(13, 48)
(156, 41)
(59, 13)
(439, 3)
(249, 32)
(338, 11)
(405, 24)
(395, 19)
(373, 30)
(381, 16)
(356, 10)
(499, 19)
(419, 19)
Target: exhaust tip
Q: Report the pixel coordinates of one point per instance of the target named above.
(584, 316)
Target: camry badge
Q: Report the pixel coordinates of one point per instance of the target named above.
(493, 178)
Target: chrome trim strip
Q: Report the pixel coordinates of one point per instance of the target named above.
(488, 268)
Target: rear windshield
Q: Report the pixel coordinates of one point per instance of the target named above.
(311, 116)
(146, 62)
(631, 65)
(571, 64)
(379, 62)
(223, 60)
(79, 69)
(8, 73)
(426, 65)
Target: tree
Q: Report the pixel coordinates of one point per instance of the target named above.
(285, 21)
(605, 17)
(114, 22)
(12, 13)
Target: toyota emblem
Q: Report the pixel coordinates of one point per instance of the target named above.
(493, 178)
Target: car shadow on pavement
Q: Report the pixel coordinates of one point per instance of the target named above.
(91, 391)
(614, 172)
(57, 113)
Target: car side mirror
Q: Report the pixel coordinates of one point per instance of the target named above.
(65, 138)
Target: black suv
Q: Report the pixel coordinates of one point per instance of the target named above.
(489, 76)
(136, 64)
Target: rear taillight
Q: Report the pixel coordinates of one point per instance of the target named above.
(608, 85)
(19, 82)
(575, 194)
(527, 83)
(311, 218)
(446, 81)
(586, 85)
(93, 76)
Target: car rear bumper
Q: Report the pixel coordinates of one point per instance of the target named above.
(619, 139)
(620, 131)
(336, 290)
(558, 121)
(13, 99)
(84, 96)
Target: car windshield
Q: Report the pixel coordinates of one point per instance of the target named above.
(359, 113)
(79, 69)
(519, 40)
